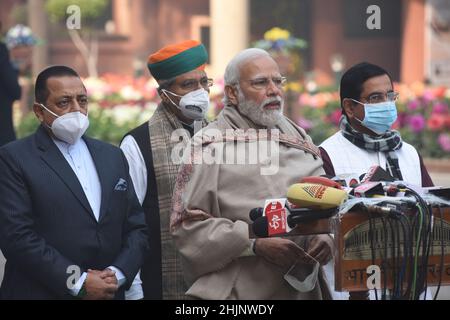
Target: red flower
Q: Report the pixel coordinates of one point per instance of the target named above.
(447, 121)
(440, 92)
(336, 116)
(436, 122)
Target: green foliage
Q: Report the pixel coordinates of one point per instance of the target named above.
(269, 13)
(19, 14)
(27, 125)
(104, 125)
(90, 9)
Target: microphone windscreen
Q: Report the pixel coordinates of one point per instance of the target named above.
(308, 195)
(260, 227)
(255, 213)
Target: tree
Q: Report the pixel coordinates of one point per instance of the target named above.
(79, 16)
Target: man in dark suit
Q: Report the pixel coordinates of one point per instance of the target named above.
(9, 91)
(70, 222)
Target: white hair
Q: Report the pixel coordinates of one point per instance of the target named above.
(232, 71)
(257, 113)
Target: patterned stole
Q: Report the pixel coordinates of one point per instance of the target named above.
(161, 126)
(389, 143)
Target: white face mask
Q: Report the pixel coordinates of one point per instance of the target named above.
(70, 126)
(193, 105)
(303, 276)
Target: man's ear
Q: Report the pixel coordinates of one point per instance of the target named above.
(232, 93)
(348, 106)
(163, 96)
(38, 111)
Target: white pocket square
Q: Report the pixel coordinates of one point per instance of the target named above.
(121, 185)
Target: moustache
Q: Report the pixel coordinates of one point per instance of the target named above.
(272, 103)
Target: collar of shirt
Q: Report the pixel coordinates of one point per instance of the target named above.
(80, 160)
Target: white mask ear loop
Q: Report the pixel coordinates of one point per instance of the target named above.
(165, 93)
(49, 111)
(356, 101)
(361, 121)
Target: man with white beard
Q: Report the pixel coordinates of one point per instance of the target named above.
(212, 199)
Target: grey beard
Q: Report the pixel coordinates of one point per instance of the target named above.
(257, 113)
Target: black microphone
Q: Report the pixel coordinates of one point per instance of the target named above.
(376, 173)
(296, 216)
(260, 227)
(255, 213)
(302, 215)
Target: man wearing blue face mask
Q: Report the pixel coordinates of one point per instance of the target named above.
(365, 137)
(184, 91)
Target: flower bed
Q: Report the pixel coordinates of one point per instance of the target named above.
(423, 117)
(118, 104)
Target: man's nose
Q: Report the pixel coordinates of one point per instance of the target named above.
(272, 89)
(76, 106)
(197, 86)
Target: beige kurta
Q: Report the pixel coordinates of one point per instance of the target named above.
(210, 216)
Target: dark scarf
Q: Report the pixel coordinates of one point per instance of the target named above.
(388, 143)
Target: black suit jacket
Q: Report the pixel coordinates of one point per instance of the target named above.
(9, 91)
(47, 225)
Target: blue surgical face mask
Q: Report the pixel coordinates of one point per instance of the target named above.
(379, 117)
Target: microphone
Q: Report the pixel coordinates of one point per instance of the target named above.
(255, 213)
(315, 196)
(376, 173)
(302, 215)
(275, 218)
(264, 227)
(349, 180)
(260, 227)
(323, 181)
(276, 214)
(372, 183)
(368, 189)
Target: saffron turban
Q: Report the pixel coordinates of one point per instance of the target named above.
(176, 59)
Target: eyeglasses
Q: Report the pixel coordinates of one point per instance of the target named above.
(263, 83)
(192, 84)
(382, 97)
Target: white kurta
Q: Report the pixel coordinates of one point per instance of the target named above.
(348, 158)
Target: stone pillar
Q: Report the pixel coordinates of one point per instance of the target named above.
(229, 32)
(37, 18)
(413, 41)
(121, 16)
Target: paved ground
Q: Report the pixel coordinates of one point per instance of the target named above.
(440, 178)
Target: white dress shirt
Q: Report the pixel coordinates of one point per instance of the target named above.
(80, 160)
(138, 169)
